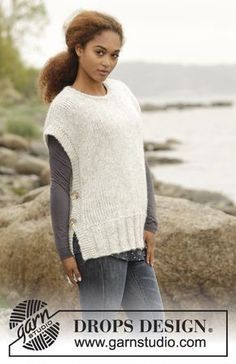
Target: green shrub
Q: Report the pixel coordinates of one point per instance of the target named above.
(3, 302)
(23, 127)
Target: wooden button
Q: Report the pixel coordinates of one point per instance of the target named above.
(72, 221)
(75, 194)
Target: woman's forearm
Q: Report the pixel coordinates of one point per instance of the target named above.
(151, 223)
(60, 169)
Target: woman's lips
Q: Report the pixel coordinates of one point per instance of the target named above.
(103, 73)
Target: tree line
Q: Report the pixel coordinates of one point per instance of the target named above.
(19, 19)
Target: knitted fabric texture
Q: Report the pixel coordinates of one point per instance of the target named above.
(103, 137)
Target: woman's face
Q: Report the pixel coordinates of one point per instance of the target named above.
(99, 54)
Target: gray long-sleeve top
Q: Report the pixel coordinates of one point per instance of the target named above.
(61, 171)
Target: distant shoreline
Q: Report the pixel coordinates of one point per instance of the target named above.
(149, 106)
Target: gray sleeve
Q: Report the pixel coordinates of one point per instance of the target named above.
(151, 223)
(60, 170)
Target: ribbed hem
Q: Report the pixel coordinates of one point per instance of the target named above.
(112, 236)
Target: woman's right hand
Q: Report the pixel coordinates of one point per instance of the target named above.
(71, 269)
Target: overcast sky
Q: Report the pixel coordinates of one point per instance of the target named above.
(186, 31)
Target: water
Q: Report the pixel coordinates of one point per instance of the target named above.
(208, 138)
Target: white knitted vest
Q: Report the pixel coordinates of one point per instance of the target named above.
(103, 137)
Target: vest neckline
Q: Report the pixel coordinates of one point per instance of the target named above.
(106, 83)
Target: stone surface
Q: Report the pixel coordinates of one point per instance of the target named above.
(195, 255)
(28, 164)
(13, 141)
(215, 200)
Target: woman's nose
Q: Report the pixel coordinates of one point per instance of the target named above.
(106, 62)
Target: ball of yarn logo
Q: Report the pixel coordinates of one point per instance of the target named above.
(34, 325)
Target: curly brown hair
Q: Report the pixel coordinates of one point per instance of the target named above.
(61, 70)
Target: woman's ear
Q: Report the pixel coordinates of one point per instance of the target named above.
(78, 49)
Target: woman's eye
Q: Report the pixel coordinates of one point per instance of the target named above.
(101, 53)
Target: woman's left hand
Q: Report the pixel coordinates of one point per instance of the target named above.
(149, 239)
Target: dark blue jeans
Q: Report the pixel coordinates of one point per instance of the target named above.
(109, 283)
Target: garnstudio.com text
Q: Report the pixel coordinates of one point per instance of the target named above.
(146, 342)
(142, 325)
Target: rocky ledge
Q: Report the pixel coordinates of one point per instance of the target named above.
(195, 244)
(195, 255)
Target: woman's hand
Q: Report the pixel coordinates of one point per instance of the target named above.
(149, 239)
(71, 268)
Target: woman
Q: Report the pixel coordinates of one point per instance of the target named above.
(102, 198)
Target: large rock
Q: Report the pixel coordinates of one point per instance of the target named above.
(29, 264)
(215, 200)
(13, 141)
(19, 183)
(195, 255)
(38, 149)
(8, 157)
(45, 176)
(22, 163)
(153, 159)
(31, 195)
(28, 164)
